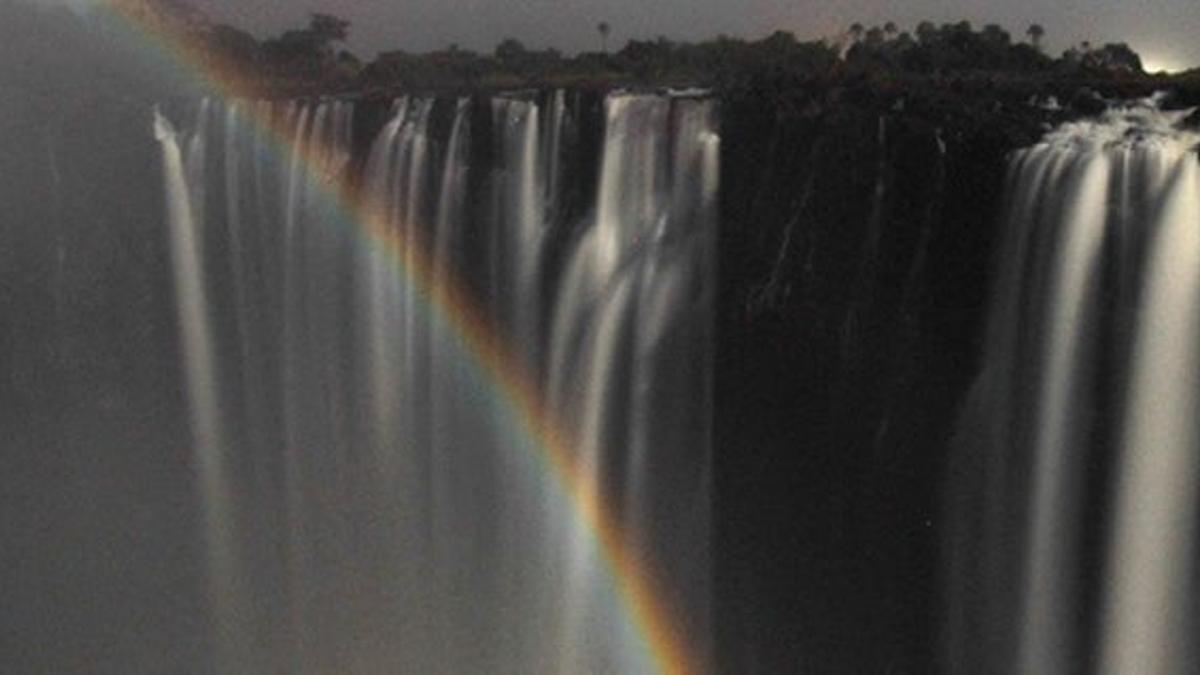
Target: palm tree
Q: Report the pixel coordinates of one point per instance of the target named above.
(926, 32)
(856, 32)
(890, 30)
(1035, 34)
(604, 29)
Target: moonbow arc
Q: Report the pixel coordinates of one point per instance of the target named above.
(649, 233)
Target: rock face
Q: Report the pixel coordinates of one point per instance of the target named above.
(858, 248)
(856, 251)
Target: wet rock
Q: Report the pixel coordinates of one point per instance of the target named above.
(1192, 121)
(1087, 101)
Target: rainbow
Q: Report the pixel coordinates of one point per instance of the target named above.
(510, 382)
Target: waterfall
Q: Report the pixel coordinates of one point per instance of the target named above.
(182, 169)
(374, 502)
(1074, 495)
(1150, 608)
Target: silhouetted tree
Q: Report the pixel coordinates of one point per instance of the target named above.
(233, 43)
(604, 30)
(1035, 33)
(1113, 58)
(856, 31)
(510, 51)
(926, 32)
(326, 28)
(996, 36)
(646, 58)
(781, 38)
(309, 50)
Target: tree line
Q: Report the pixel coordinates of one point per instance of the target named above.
(316, 55)
(956, 47)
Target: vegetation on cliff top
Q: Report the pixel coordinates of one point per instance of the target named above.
(955, 58)
(308, 59)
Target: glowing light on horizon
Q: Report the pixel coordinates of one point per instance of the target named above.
(1163, 63)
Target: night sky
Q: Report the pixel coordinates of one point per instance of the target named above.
(1164, 32)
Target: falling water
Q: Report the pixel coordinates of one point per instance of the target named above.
(373, 504)
(1075, 495)
(200, 374)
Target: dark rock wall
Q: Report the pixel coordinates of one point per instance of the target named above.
(854, 277)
